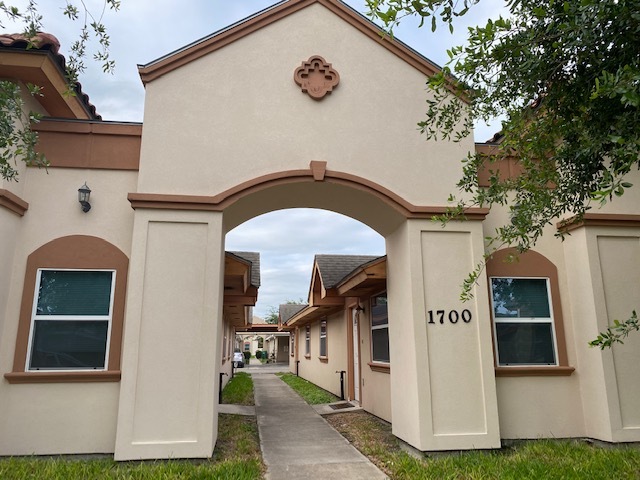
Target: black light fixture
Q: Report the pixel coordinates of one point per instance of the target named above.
(84, 192)
(359, 308)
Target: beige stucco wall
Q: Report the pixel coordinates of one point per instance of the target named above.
(375, 386)
(323, 373)
(598, 281)
(442, 381)
(72, 418)
(240, 104)
(604, 284)
(171, 352)
(532, 407)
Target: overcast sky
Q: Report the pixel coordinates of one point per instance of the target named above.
(144, 30)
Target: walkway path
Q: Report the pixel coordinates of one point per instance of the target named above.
(297, 443)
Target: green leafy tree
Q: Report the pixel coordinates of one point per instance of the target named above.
(565, 76)
(17, 140)
(272, 316)
(273, 313)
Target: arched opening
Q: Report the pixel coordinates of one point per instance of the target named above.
(304, 232)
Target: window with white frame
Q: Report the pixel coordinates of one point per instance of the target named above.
(523, 321)
(307, 340)
(379, 329)
(292, 339)
(323, 338)
(71, 320)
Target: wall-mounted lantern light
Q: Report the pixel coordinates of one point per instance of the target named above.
(359, 308)
(84, 193)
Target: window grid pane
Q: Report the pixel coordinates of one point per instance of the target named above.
(69, 344)
(74, 293)
(379, 329)
(323, 338)
(520, 298)
(524, 333)
(71, 320)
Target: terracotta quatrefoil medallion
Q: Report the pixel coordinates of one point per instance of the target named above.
(316, 77)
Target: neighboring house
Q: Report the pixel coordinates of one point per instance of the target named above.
(305, 104)
(345, 328)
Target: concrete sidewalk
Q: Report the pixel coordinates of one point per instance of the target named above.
(297, 443)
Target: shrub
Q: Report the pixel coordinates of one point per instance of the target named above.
(247, 356)
(258, 354)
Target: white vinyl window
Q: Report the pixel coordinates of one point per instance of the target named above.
(71, 320)
(523, 321)
(379, 329)
(323, 338)
(292, 338)
(307, 340)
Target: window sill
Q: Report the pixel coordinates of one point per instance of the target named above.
(307, 356)
(63, 377)
(324, 359)
(534, 371)
(380, 367)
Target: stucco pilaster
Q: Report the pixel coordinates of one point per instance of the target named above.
(171, 349)
(443, 394)
(603, 281)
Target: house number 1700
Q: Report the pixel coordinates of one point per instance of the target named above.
(438, 316)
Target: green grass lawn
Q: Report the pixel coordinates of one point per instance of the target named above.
(237, 454)
(311, 393)
(239, 390)
(535, 460)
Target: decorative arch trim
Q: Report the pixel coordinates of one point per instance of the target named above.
(532, 264)
(316, 172)
(72, 252)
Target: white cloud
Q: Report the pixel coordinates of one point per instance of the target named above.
(288, 240)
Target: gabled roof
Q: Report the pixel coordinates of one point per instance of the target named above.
(221, 38)
(254, 260)
(288, 310)
(241, 282)
(333, 268)
(336, 277)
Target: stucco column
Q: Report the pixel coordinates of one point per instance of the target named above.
(443, 394)
(171, 345)
(603, 273)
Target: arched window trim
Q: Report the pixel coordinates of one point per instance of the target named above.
(71, 252)
(531, 264)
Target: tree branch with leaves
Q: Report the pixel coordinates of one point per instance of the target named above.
(17, 139)
(565, 76)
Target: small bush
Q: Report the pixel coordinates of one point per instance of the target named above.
(247, 356)
(258, 354)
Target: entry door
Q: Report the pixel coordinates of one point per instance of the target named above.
(356, 354)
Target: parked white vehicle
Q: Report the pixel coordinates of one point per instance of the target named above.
(238, 360)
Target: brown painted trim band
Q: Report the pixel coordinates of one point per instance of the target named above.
(63, 377)
(12, 202)
(599, 220)
(555, 371)
(223, 200)
(165, 65)
(90, 144)
(380, 367)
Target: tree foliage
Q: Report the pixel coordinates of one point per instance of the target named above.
(616, 332)
(565, 75)
(17, 140)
